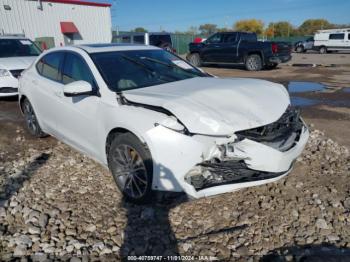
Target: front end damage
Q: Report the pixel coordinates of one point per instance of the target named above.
(205, 165)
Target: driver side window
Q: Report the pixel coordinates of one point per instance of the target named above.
(75, 69)
(217, 38)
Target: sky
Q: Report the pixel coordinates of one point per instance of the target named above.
(155, 15)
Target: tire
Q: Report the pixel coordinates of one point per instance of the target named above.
(131, 165)
(253, 63)
(32, 123)
(195, 59)
(323, 50)
(300, 49)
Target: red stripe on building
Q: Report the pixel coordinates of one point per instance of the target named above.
(78, 2)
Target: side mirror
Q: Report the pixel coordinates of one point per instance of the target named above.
(77, 88)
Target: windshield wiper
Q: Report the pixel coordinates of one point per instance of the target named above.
(142, 65)
(171, 65)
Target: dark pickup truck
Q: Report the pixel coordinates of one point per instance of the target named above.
(238, 48)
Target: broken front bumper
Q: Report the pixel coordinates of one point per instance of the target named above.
(187, 163)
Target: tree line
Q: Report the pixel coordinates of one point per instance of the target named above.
(273, 29)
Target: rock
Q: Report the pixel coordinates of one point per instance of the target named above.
(186, 246)
(71, 232)
(111, 230)
(105, 251)
(2, 212)
(90, 228)
(347, 203)
(243, 251)
(70, 248)
(75, 259)
(24, 240)
(333, 238)
(321, 223)
(34, 230)
(20, 251)
(43, 218)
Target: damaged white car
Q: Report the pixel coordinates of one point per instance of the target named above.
(158, 123)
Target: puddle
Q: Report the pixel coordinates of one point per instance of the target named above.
(346, 90)
(302, 101)
(299, 87)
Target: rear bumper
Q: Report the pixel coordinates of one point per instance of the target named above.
(279, 59)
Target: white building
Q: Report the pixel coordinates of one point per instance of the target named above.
(63, 22)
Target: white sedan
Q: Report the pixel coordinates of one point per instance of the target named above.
(16, 55)
(158, 123)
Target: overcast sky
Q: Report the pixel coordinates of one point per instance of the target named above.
(181, 14)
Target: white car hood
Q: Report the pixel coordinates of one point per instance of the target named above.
(15, 63)
(217, 106)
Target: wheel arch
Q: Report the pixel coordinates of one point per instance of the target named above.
(21, 100)
(118, 131)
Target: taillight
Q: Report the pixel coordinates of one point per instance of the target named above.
(274, 48)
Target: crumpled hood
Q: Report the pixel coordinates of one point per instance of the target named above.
(217, 106)
(16, 63)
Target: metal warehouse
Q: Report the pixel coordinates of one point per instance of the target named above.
(57, 22)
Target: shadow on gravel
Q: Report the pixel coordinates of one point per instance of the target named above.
(148, 231)
(308, 253)
(15, 181)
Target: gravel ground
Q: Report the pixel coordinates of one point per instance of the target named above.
(58, 204)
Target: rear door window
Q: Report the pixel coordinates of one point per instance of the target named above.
(248, 37)
(49, 65)
(336, 36)
(75, 69)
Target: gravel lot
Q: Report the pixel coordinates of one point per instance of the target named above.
(58, 204)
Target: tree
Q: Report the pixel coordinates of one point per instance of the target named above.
(281, 28)
(208, 29)
(140, 30)
(250, 25)
(310, 26)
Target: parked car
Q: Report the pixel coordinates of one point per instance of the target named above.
(332, 40)
(304, 46)
(237, 48)
(16, 54)
(159, 123)
(159, 39)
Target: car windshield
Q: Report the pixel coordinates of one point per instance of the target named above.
(125, 70)
(18, 47)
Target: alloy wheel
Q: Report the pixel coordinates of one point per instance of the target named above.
(130, 172)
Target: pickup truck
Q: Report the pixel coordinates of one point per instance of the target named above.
(239, 48)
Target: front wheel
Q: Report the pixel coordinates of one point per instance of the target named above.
(132, 168)
(253, 63)
(31, 120)
(195, 59)
(300, 49)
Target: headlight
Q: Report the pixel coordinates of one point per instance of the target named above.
(173, 124)
(4, 72)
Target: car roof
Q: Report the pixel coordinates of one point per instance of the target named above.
(98, 48)
(12, 37)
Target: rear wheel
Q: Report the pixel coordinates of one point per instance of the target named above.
(31, 120)
(132, 168)
(323, 50)
(253, 63)
(195, 59)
